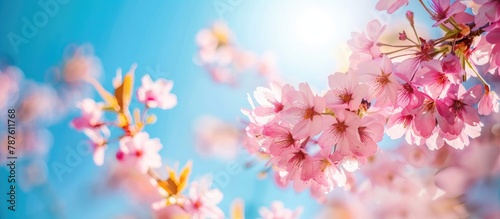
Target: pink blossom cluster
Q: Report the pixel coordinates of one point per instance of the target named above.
(137, 152)
(445, 183)
(136, 147)
(414, 87)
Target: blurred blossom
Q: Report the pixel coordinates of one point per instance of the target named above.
(70, 78)
(202, 200)
(225, 61)
(390, 5)
(156, 94)
(268, 67)
(32, 174)
(136, 184)
(171, 212)
(140, 152)
(278, 211)
(97, 141)
(10, 82)
(31, 142)
(215, 137)
(91, 115)
(79, 64)
(31, 110)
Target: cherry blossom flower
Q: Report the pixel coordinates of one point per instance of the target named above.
(457, 109)
(157, 94)
(400, 123)
(341, 130)
(425, 118)
(409, 96)
(91, 115)
(140, 151)
(425, 52)
(442, 10)
(292, 161)
(305, 112)
(98, 138)
(378, 74)
(202, 201)
(364, 45)
(488, 103)
(436, 80)
(487, 12)
(279, 138)
(322, 169)
(272, 100)
(370, 132)
(345, 91)
(278, 211)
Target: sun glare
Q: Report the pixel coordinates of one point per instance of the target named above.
(315, 26)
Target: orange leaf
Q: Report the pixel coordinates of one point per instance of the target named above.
(183, 179)
(123, 93)
(169, 186)
(173, 185)
(121, 120)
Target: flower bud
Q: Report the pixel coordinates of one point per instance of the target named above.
(402, 36)
(409, 16)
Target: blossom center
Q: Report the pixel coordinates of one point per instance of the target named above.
(139, 153)
(324, 164)
(309, 113)
(382, 79)
(408, 88)
(197, 204)
(278, 107)
(442, 79)
(345, 97)
(339, 127)
(286, 141)
(297, 159)
(406, 120)
(429, 106)
(457, 105)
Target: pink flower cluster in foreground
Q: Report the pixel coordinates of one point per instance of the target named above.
(416, 89)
